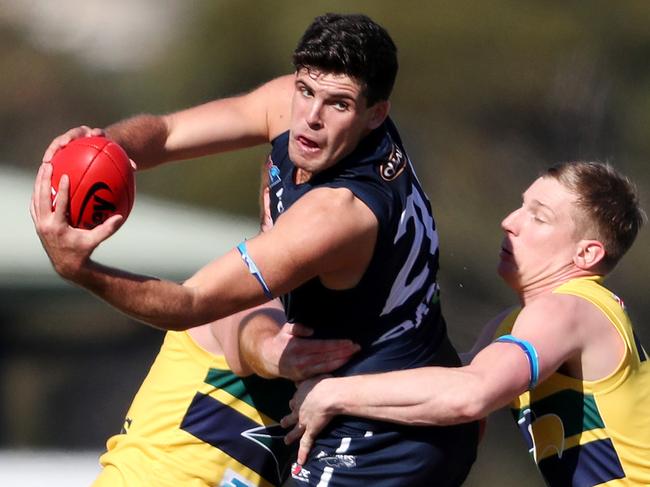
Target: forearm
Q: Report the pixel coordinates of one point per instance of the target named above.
(426, 396)
(241, 336)
(257, 328)
(159, 303)
(144, 138)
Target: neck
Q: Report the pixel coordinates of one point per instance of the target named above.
(533, 290)
(302, 176)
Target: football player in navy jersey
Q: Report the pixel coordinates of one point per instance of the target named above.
(567, 359)
(352, 253)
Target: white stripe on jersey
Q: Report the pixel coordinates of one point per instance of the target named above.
(326, 477)
(400, 291)
(403, 327)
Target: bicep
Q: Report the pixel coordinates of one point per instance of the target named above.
(504, 368)
(327, 231)
(554, 335)
(229, 123)
(324, 232)
(502, 373)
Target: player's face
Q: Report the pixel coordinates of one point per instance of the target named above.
(540, 238)
(329, 117)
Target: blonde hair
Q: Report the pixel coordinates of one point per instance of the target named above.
(607, 203)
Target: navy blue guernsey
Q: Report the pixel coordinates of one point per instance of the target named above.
(394, 311)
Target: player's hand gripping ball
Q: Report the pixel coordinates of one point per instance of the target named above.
(102, 180)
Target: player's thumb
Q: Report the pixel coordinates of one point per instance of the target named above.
(106, 229)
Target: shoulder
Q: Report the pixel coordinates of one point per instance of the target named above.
(558, 326)
(326, 232)
(277, 95)
(280, 87)
(550, 310)
(330, 206)
(327, 221)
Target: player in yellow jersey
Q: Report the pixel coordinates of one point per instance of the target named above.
(567, 360)
(195, 422)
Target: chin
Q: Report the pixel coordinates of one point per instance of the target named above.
(509, 275)
(300, 159)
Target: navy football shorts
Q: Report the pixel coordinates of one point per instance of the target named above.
(392, 456)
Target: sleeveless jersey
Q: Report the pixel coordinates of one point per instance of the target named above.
(394, 311)
(193, 422)
(588, 433)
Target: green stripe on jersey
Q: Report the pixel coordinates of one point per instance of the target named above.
(269, 396)
(577, 411)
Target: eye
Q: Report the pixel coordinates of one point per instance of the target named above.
(341, 106)
(306, 92)
(537, 218)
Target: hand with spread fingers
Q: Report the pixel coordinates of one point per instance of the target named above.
(311, 411)
(298, 357)
(289, 351)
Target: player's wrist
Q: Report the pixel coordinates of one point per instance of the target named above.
(70, 267)
(331, 397)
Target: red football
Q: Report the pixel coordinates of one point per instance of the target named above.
(102, 181)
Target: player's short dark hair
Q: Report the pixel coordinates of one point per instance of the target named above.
(354, 45)
(608, 204)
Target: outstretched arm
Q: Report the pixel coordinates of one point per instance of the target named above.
(217, 126)
(441, 395)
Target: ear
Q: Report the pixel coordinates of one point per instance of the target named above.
(589, 254)
(379, 112)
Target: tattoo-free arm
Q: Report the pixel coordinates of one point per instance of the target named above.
(217, 126)
(326, 233)
(441, 395)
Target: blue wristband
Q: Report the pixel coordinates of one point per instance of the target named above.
(531, 354)
(252, 268)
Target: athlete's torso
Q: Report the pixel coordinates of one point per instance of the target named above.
(194, 422)
(393, 312)
(588, 433)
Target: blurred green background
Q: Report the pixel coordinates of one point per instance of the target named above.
(488, 94)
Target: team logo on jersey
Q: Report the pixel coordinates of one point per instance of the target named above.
(270, 438)
(544, 434)
(274, 172)
(300, 473)
(395, 164)
(337, 460)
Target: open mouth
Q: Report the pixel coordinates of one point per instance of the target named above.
(307, 143)
(505, 253)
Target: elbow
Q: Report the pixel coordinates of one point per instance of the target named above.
(466, 405)
(469, 410)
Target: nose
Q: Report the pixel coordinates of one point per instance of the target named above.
(509, 223)
(314, 119)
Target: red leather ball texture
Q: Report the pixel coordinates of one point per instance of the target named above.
(102, 181)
